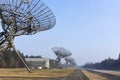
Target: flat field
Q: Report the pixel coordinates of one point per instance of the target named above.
(93, 76)
(53, 74)
(23, 74)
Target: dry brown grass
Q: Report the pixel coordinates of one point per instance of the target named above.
(35, 73)
(93, 76)
(23, 74)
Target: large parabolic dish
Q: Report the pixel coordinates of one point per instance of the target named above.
(26, 16)
(23, 17)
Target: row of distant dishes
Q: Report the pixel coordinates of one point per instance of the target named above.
(62, 53)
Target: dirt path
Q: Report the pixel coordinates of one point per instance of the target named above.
(77, 75)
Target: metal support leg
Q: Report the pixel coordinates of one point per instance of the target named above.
(21, 59)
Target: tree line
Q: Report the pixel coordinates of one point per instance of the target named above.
(31, 56)
(9, 59)
(108, 64)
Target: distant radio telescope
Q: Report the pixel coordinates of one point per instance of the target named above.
(60, 52)
(23, 17)
(70, 62)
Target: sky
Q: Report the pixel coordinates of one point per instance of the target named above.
(90, 29)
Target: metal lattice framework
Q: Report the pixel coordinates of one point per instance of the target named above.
(26, 16)
(23, 17)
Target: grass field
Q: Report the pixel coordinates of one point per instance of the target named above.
(93, 76)
(23, 74)
(46, 74)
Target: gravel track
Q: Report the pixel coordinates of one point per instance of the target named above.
(77, 75)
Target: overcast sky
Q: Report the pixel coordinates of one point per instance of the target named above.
(90, 29)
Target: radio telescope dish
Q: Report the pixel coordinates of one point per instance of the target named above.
(69, 59)
(60, 52)
(70, 62)
(26, 16)
(23, 17)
